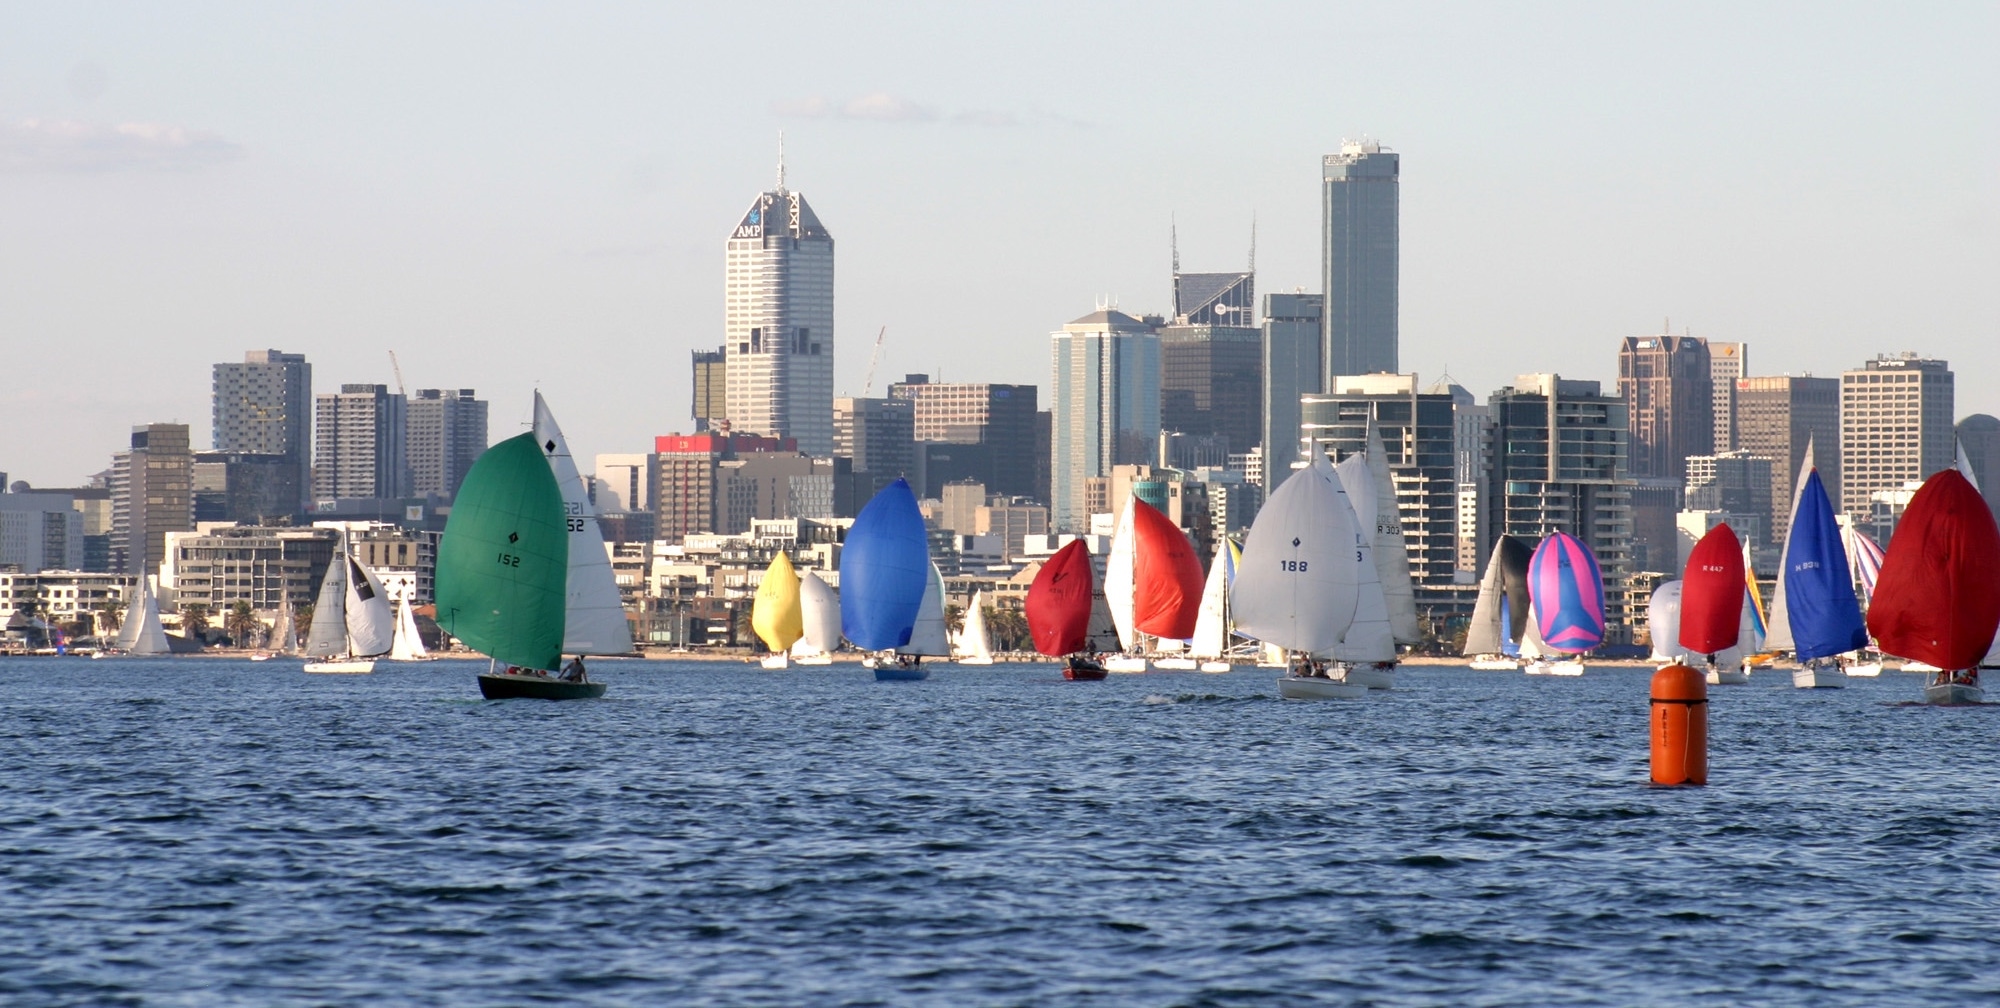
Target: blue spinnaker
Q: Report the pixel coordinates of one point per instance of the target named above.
(884, 567)
(1508, 645)
(1825, 616)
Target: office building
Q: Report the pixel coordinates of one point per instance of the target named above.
(713, 483)
(244, 487)
(1214, 299)
(1291, 367)
(878, 437)
(1895, 427)
(40, 531)
(999, 417)
(1211, 384)
(1737, 484)
(1420, 436)
(1776, 415)
(778, 321)
(623, 483)
(1469, 423)
(711, 388)
(1727, 362)
(1979, 436)
(264, 406)
(447, 434)
(1359, 254)
(265, 566)
(152, 487)
(360, 444)
(1105, 396)
(1665, 382)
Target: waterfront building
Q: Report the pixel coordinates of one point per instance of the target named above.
(1291, 367)
(262, 565)
(360, 444)
(1360, 251)
(778, 323)
(1776, 416)
(1895, 427)
(1106, 403)
(1727, 362)
(1420, 437)
(66, 598)
(264, 406)
(1469, 433)
(151, 487)
(1666, 384)
(40, 530)
(447, 434)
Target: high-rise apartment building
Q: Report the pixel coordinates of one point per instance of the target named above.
(152, 494)
(447, 433)
(1106, 404)
(1665, 382)
(1895, 426)
(244, 487)
(778, 323)
(720, 484)
(1293, 334)
(711, 388)
(1470, 420)
(1360, 252)
(360, 444)
(263, 406)
(1726, 363)
(623, 482)
(999, 418)
(1776, 416)
(1420, 438)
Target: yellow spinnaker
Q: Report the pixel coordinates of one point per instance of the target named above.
(775, 615)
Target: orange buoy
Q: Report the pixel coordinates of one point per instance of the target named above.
(1680, 727)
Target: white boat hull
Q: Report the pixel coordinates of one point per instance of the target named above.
(775, 661)
(1496, 665)
(1945, 694)
(812, 659)
(1554, 668)
(1176, 664)
(1125, 663)
(1738, 676)
(1865, 670)
(1819, 677)
(1297, 688)
(358, 666)
(975, 660)
(1371, 675)
(1917, 666)
(1216, 666)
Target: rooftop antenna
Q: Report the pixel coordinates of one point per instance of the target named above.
(1253, 241)
(1174, 241)
(781, 160)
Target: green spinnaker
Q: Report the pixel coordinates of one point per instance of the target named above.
(504, 560)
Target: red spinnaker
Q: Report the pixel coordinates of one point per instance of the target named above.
(1166, 575)
(1058, 604)
(1712, 593)
(1938, 597)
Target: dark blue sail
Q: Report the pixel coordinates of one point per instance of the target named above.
(884, 566)
(1508, 645)
(1819, 597)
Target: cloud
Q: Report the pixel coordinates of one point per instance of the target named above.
(983, 117)
(881, 106)
(64, 146)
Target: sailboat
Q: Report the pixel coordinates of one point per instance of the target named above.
(408, 645)
(775, 614)
(819, 617)
(1566, 590)
(1210, 644)
(503, 573)
(972, 646)
(594, 620)
(885, 572)
(285, 634)
(930, 637)
(1068, 617)
(1299, 584)
(1938, 599)
(1864, 564)
(1814, 611)
(143, 633)
(1715, 608)
(352, 623)
(1500, 614)
(1153, 583)
(1663, 623)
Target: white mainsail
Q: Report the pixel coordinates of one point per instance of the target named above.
(408, 646)
(1532, 646)
(1119, 585)
(143, 634)
(1298, 584)
(284, 636)
(1370, 637)
(928, 635)
(819, 610)
(1484, 634)
(595, 620)
(972, 642)
(1211, 621)
(1778, 634)
(1663, 622)
(1392, 551)
(328, 635)
(371, 624)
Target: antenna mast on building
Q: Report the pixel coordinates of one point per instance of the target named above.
(874, 358)
(398, 368)
(781, 160)
(1253, 241)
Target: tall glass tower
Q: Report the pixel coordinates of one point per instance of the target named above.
(778, 327)
(1359, 247)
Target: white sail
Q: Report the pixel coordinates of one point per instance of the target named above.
(928, 635)
(408, 646)
(1778, 635)
(1101, 637)
(146, 636)
(1484, 634)
(1369, 637)
(1532, 646)
(1211, 621)
(284, 636)
(1297, 586)
(1663, 622)
(1392, 551)
(972, 642)
(594, 622)
(1746, 638)
(1118, 578)
(371, 623)
(819, 610)
(328, 635)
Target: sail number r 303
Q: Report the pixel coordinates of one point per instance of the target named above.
(1292, 566)
(509, 560)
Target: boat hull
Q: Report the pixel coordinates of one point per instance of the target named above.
(975, 660)
(1735, 676)
(1819, 677)
(1176, 664)
(500, 686)
(1125, 663)
(1947, 694)
(1315, 688)
(1216, 667)
(360, 666)
(775, 661)
(899, 673)
(1495, 665)
(1083, 670)
(817, 659)
(1554, 668)
(1371, 675)
(1865, 670)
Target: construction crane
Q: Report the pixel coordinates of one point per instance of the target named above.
(868, 387)
(400, 390)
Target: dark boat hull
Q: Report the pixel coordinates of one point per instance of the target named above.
(1083, 671)
(898, 673)
(497, 686)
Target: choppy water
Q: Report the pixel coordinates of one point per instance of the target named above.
(206, 832)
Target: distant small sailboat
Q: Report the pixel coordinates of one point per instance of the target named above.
(972, 646)
(929, 635)
(1210, 644)
(352, 623)
(1153, 583)
(1938, 598)
(775, 614)
(885, 574)
(1299, 584)
(819, 615)
(1566, 590)
(408, 645)
(1814, 610)
(1663, 623)
(1068, 617)
(143, 634)
(1500, 614)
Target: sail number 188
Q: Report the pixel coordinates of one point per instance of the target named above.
(1292, 566)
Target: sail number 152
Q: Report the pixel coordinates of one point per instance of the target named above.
(509, 560)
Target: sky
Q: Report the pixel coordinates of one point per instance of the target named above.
(514, 196)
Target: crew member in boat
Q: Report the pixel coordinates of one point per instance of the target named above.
(574, 672)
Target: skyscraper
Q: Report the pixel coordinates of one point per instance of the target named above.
(1106, 403)
(447, 433)
(1726, 363)
(1211, 379)
(152, 487)
(1420, 438)
(1293, 332)
(999, 418)
(779, 323)
(360, 444)
(263, 406)
(711, 387)
(1979, 435)
(1360, 250)
(1665, 382)
(1895, 426)
(1775, 417)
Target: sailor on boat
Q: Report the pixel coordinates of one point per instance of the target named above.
(574, 671)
